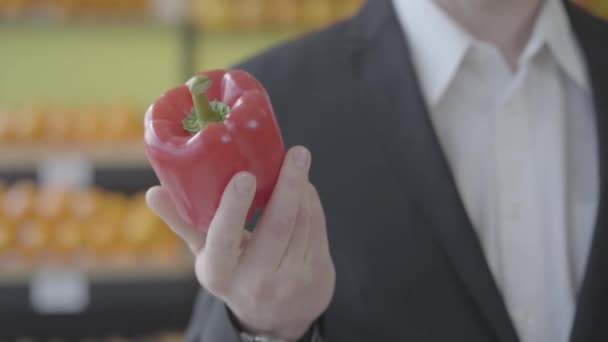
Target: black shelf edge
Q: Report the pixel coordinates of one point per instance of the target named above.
(128, 308)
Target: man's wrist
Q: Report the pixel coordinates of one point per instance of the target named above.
(311, 335)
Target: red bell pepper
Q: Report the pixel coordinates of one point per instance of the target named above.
(199, 135)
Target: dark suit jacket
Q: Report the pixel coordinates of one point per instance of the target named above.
(409, 264)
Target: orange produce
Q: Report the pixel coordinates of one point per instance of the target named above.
(166, 245)
(14, 8)
(6, 125)
(215, 13)
(120, 123)
(136, 6)
(136, 232)
(66, 8)
(87, 126)
(115, 206)
(101, 236)
(7, 235)
(67, 236)
(315, 13)
(58, 126)
(282, 13)
(52, 203)
(249, 14)
(33, 237)
(28, 124)
(140, 227)
(19, 200)
(85, 204)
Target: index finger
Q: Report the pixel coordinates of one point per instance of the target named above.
(225, 235)
(273, 232)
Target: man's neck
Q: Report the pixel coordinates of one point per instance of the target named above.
(505, 23)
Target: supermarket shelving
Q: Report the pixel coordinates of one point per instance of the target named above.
(103, 156)
(134, 300)
(119, 303)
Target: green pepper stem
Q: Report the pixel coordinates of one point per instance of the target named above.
(198, 86)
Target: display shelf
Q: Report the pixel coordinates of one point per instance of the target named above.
(126, 303)
(66, 12)
(103, 155)
(105, 272)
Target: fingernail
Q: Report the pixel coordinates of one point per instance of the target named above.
(301, 157)
(244, 183)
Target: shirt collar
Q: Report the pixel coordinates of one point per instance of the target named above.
(554, 31)
(439, 44)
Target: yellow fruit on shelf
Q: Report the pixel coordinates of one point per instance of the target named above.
(215, 14)
(100, 226)
(115, 205)
(87, 126)
(14, 8)
(138, 231)
(249, 14)
(120, 123)
(7, 235)
(28, 124)
(165, 246)
(85, 204)
(52, 203)
(19, 200)
(33, 237)
(66, 8)
(59, 126)
(315, 13)
(141, 227)
(6, 125)
(281, 13)
(101, 236)
(138, 200)
(67, 237)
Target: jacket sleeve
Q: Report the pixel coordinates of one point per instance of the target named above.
(211, 321)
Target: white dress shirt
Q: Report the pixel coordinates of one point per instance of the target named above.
(522, 148)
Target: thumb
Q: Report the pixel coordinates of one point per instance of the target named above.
(160, 202)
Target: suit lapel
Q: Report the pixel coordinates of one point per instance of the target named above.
(384, 66)
(592, 311)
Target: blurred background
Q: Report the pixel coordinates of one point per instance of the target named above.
(81, 256)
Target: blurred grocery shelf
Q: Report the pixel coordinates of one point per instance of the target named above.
(129, 307)
(97, 59)
(76, 262)
(66, 11)
(81, 227)
(81, 254)
(106, 156)
(217, 15)
(99, 273)
(106, 137)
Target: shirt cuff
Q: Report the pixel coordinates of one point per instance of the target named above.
(312, 335)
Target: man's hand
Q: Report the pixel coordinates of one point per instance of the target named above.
(277, 280)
